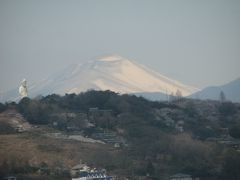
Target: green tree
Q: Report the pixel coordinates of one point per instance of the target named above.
(36, 112)
(2, 107)
(234, 131)
(227, 108)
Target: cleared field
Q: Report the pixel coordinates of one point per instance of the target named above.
(34, 148)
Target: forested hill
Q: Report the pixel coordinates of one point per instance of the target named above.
(158, 138)
(201, 118)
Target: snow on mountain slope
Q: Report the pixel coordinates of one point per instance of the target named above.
(113, 73)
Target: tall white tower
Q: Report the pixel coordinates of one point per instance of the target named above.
(23, 89)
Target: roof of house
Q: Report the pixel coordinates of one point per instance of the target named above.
(180, 175)
(79, 166)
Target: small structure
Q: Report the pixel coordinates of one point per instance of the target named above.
(78, 169)
(179, 126)
(226, 141)
(19, 128)
(10, 178)
(55, 123)
(181, 176)
(117, 145)
(108, 137)
(44, 169)
(169, 122)
(83, 172)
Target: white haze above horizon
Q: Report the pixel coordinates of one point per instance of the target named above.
(194, 42)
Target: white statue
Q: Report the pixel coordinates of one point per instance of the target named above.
(23, 88)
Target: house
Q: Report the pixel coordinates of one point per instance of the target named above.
(79, 168)
(181, 176)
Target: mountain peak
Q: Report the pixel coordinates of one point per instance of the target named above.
(110, 58)
(111, 72)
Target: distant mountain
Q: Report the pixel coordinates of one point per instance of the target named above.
(153, 96)
(231, 91)
(113, 73)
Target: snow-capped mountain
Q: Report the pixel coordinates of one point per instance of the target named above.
(113, 73)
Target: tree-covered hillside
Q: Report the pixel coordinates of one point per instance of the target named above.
(157, 139)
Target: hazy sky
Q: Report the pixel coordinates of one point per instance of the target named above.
(194, 41)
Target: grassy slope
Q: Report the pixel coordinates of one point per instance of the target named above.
(36, 148)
